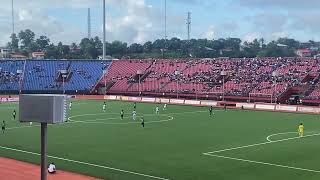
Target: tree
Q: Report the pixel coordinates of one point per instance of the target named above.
(174, 44)
(135, 48)
(26, 37)
(147, 47)
(43, 42)
(89, 48)
(118, 48)
(51, 52)
(159, 44)
(14, 44)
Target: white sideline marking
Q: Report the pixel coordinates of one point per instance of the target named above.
(259, 144)
(264, 163)
(85, 163)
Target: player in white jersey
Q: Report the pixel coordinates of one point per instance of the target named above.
(134, 115)
(104, 107)
(165, 107)
(70, 105)
(157, 110)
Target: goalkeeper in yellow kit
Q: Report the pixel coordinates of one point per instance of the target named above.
(301, 130)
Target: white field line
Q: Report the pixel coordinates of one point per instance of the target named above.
(268, 137)
(259, 144)
(81, 115)
(92, 121)
(135, 122)
(126, 117)
(21, 127)
(86, 163)
(264, 163)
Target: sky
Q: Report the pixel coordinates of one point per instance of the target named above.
(138, 21)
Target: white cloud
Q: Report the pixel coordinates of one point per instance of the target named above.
(251, 36)
(277, 35)
(134, 23)
(210, 33)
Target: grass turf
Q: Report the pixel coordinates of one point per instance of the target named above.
(172, 144)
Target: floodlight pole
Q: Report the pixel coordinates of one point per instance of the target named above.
(105, 81)
(44, 129)
(223, 74)
(177, 73)
(63, 84)
(274, 75)
(104, 31)
(139, 85)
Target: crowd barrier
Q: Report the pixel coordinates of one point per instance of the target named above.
(249, 106)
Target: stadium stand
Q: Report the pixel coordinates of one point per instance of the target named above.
(45, 75)
(244, 77)
(9, 77)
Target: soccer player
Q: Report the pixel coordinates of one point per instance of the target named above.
(104, 107)
(14, 113)
(70, 105)
(210, 110)
(165, 107)
(3, 126)
(301, 130)
(134, 105)
(157, 110)
(142, 121)
(121, 114)
(134, 115)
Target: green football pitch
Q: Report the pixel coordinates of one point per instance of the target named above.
(181, 143)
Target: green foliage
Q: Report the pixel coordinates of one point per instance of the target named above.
(160, 48)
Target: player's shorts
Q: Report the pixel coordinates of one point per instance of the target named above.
(3, 127)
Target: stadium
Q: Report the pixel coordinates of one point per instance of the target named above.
(223, 114)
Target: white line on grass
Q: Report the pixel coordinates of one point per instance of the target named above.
(260, 162)
(135, 122)
(81, 115)
(111, 118)
(86, 163)
(213, 153)
(259, 144)
(268, 138)
(20, 127)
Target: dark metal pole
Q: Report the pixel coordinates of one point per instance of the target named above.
(43, 151)
(104, 31)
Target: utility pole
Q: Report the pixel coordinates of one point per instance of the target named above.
(165, 20)
(189, 24)
(104, 31)
(89, 24)
(12, 14)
